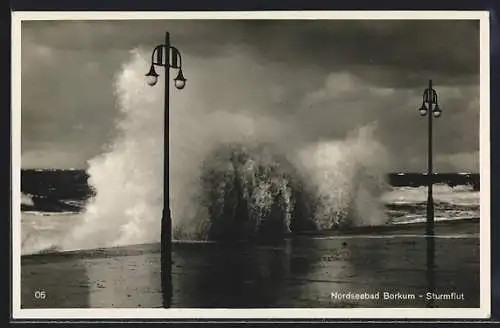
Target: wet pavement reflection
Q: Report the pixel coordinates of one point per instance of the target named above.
(303, 271)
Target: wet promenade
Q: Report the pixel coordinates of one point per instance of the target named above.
(316, 270)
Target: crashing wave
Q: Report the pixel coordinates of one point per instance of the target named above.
(252, 190)
(26, 200)
(232, 174)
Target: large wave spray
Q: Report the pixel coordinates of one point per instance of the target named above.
(225, 168)
(348, 177)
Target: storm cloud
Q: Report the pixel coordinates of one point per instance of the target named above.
(319, 78)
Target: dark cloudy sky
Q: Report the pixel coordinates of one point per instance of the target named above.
(324, 78)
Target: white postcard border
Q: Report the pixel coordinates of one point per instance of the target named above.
(296, 313)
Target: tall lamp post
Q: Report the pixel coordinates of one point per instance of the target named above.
(430, 108)
(168, 57)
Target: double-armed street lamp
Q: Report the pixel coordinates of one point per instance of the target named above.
(430, 107)
(168, 57)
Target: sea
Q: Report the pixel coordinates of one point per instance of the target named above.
(53, 202)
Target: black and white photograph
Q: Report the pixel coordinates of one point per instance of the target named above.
(250, 165)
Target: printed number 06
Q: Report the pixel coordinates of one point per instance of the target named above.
(40, 294)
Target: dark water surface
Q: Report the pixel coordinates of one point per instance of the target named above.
(302, 271)
(50, 190)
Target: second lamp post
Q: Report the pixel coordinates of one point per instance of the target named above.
(168, 57)
(430, 107)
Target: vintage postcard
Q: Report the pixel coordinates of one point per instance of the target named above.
(250, 165)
